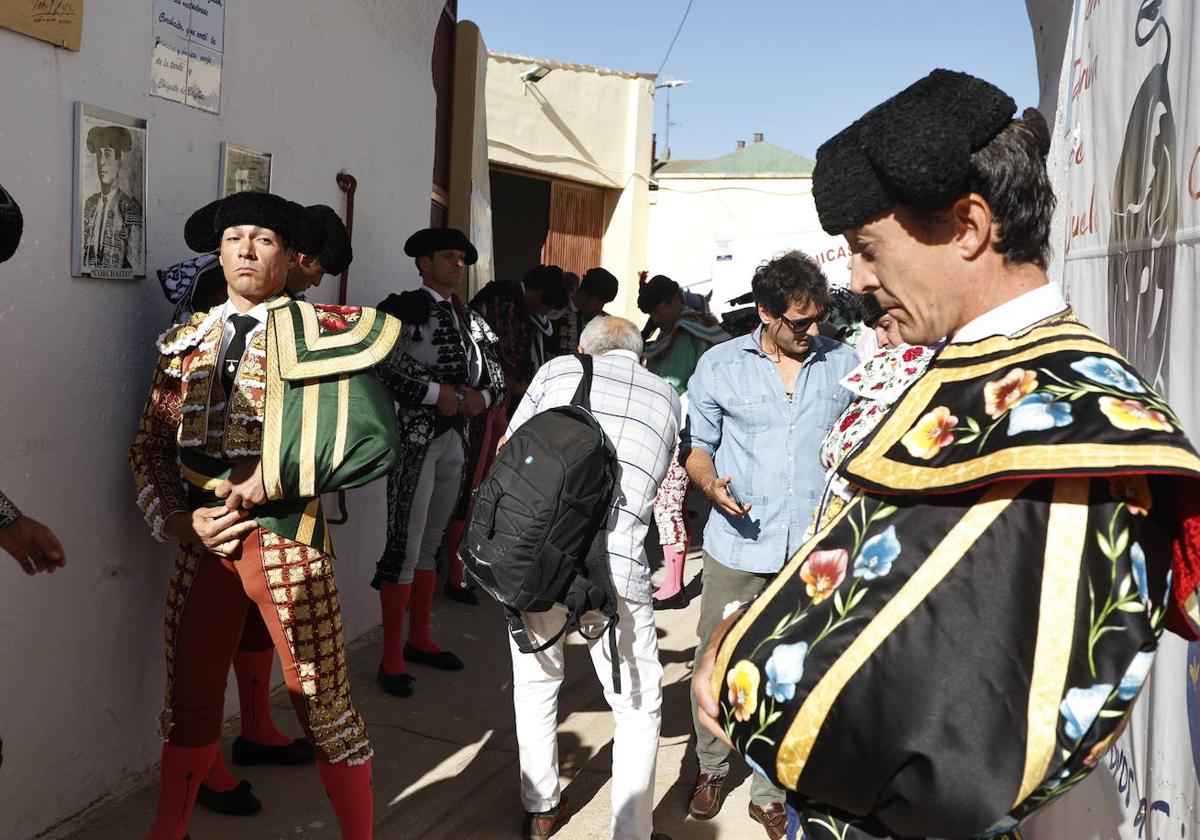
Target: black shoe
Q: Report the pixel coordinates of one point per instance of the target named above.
(248, 753)
(400, 685)
(676, 602)
(442, 660)
(236, 802)
(463, 594)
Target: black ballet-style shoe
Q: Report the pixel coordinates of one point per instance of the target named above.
(443, 660)
(398, 685)
(248, 753)
(462, 594)
(236, 802)
(676, 602)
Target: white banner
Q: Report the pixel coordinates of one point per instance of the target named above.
(1129, 124)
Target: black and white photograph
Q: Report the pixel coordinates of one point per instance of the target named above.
(109, 194)
(244, 169)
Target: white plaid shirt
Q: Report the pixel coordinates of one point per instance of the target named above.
(640, 413)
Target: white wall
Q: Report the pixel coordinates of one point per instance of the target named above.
(696, 218)
(326, 86)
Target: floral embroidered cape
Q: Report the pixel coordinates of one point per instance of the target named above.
(961, 643)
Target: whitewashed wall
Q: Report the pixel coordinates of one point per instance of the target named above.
(326, 86)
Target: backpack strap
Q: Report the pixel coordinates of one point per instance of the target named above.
(582, 396)
(520, 635)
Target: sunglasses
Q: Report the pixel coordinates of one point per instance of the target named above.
(800, 326)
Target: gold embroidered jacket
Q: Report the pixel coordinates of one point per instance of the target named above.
(959, 645)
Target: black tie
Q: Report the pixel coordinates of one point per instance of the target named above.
(242, 324)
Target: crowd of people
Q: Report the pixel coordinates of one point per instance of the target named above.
(913, 622)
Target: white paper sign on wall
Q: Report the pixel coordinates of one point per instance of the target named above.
(189, 46)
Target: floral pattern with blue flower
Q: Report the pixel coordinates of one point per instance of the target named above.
(1037, 412)
(1137, 559)
(1104, 371)
(754, 766)
(1135, 675)
(1004, 824)
(784, 669)
(1082, 706)
(877, 555)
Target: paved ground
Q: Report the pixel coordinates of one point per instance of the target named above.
(445, 759)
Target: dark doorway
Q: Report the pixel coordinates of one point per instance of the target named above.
(520, 222)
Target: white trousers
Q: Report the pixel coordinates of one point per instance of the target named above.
(637, 712)
(433, 503)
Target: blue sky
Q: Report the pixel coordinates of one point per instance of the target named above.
(796, 70)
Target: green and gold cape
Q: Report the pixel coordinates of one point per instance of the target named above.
(958, 646)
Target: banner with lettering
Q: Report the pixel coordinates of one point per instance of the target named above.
(1130, 125)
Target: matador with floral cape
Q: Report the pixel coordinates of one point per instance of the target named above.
(959, 645)
(285, 387)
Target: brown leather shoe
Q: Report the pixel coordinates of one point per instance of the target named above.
(771, 817)
(705, 802)
(541, 825)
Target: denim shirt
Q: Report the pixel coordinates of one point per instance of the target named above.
(739, 413)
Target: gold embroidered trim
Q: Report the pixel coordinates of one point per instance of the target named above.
(272, 436)
(343, 421)
(197, 479)
(292, 369)
(872, 464)
(308, 521)
(308, 438)
(1066, 535)
(802, 734)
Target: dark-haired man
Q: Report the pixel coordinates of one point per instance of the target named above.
(759, 407)
(248, 422)
(963, 641)
(517, 313)
(597, 289)
(449, 374)
(112, 219)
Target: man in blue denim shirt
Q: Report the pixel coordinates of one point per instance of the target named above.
(760, 407)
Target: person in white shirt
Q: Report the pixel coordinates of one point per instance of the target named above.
(640, 413)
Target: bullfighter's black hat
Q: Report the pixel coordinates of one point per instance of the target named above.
(295, 225)
(424, 242)
(913, 149)
(11, 225)
(337, 254)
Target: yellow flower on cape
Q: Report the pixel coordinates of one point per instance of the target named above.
(743, 682)
(932, 432)
(1133, 490)
(1131, 415)
(1004, 393)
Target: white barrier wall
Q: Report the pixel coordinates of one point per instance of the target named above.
(1121, 79)
(324, 86)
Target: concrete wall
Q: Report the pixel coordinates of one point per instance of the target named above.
(470, 187)
(587, 125)
(327, 86)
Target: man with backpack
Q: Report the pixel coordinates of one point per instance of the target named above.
(639, 414)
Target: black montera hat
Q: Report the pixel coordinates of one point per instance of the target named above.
(600, 283)
(914, 149)
(109, 137)
(337, 254)
(425, 242)
(11, 225)
(293, 224)
(656, 290)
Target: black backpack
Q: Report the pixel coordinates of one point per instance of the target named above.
(537, 532)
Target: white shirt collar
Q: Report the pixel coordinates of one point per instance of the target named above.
(1014, 316)
(258, 312)
(437, 296)
(624, 354)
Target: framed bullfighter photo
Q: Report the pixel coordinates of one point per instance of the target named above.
(244, 169)
(108, 195)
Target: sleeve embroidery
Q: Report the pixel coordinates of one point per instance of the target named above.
(153, 457)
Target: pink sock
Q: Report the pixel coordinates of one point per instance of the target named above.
(349, 789)
(672, 579)
(253, 671)
(179, 779)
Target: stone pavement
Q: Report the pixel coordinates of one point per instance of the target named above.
(446, 758)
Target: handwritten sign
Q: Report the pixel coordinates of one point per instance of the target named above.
(189, 45)
(58, 21)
